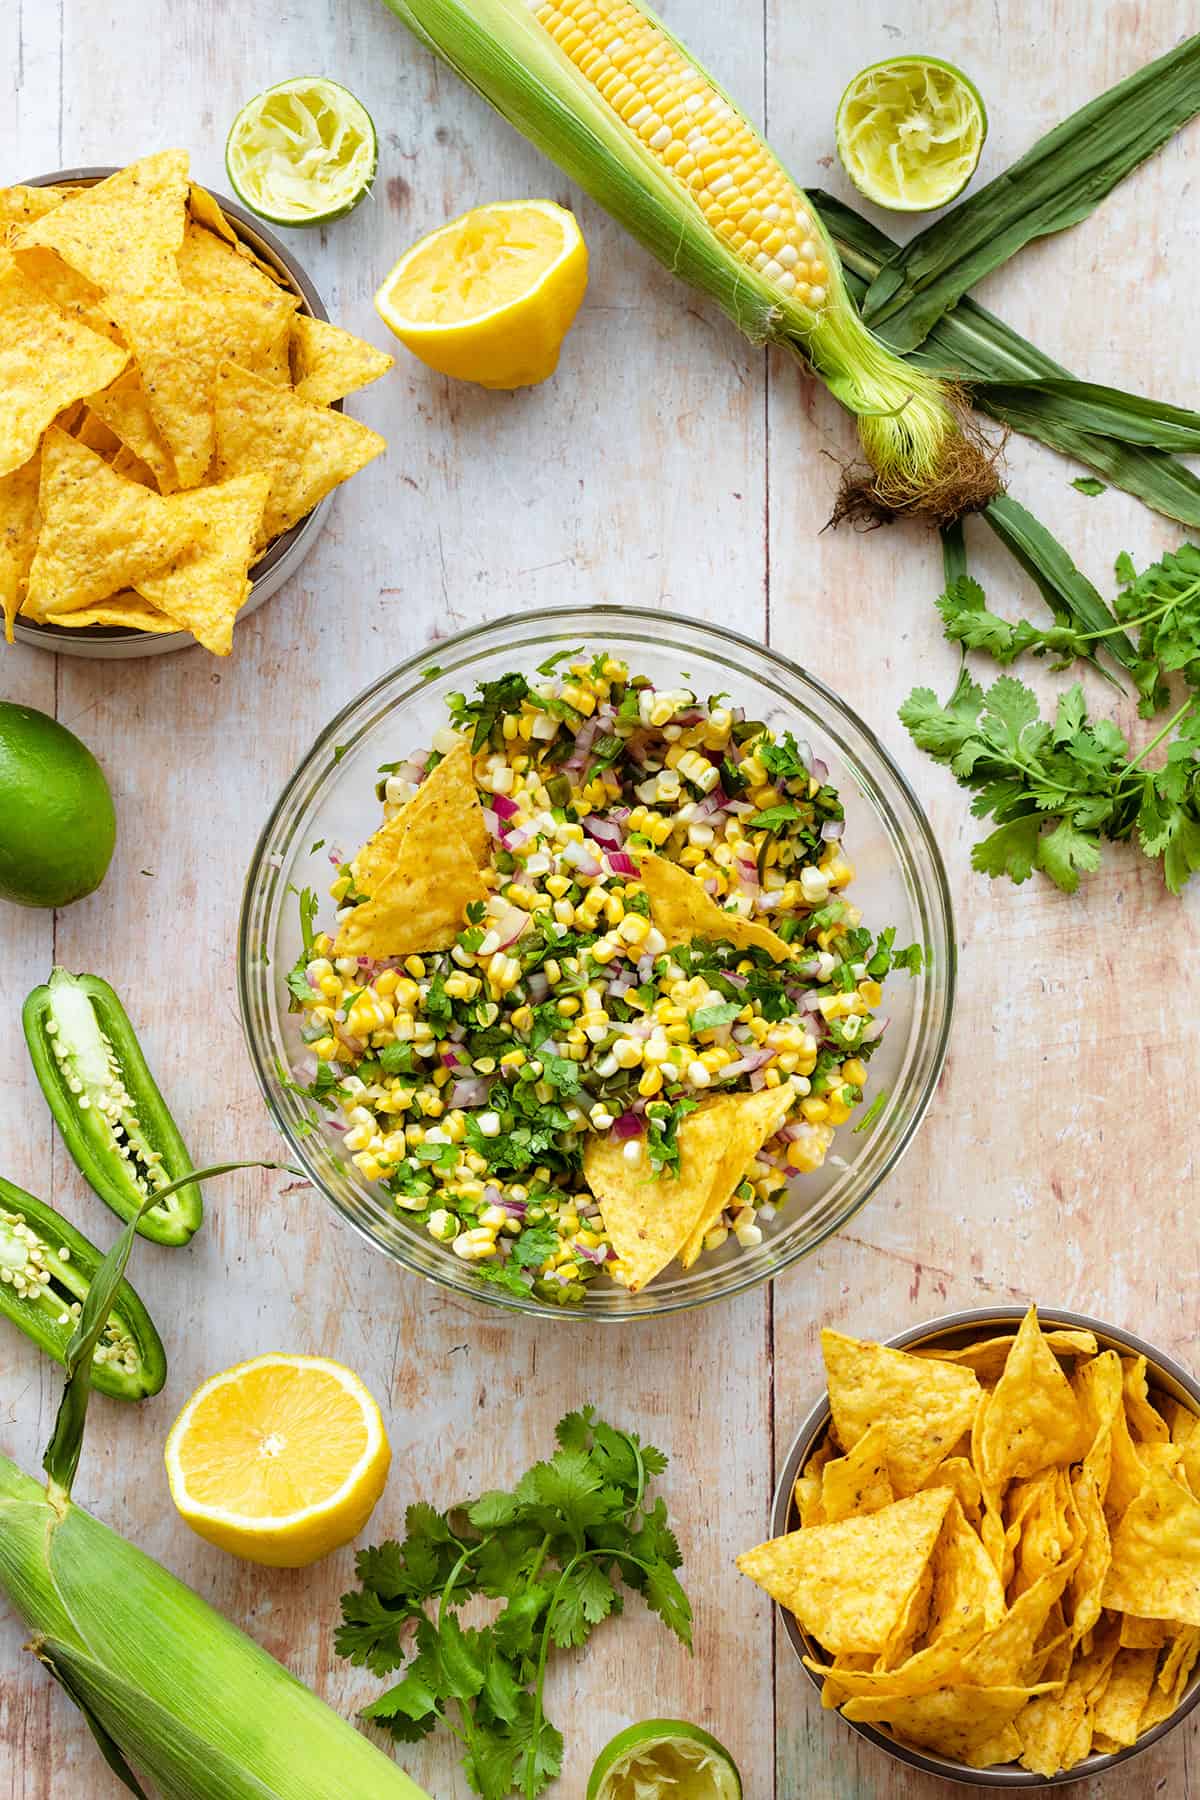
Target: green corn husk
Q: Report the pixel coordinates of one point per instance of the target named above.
(1009, 378)
(1057, 183)
(909, 422)
(173, 1693)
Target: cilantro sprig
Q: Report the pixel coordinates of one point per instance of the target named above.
(558, 1554)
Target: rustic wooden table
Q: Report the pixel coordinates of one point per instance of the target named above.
(667, 464)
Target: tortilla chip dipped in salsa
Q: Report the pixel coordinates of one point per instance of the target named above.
(1061, 1620)
(120, 304)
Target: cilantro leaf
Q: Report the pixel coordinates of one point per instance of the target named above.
(534, 1246)
(707, 1018)
(1087, 484)
(773, 817)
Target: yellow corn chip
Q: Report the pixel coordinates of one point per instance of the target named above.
(682, 911)
(307, 450)
(747, 1121)
(851, 1584)
(1144, 1421)
(1143, 1634)
(1178, 1663)
(18, 536)
(122, 234)
(938, 1665)
(1119, 1710)
(926, 1406)
(19, 205)
(965, 1582)
(128, 610)
(71, 292)
(1000, 1657)
(99, 532)
(956, 1472)
(1033, 1418)
(208, 265)
(451, 788)
(858, 1482)
(1155, 1569)
(93, 433)
(46, 362)
(988, 1357)
(650, 1219)
(329, 363)
(806, 1495)
(1095, 1553)
(178, 342)
(1050, 1728)
(206, 585)
(958, 1722)
(1046, 1534)
(125, 410)
(133, 468)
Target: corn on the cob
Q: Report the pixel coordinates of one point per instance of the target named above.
(172, 1691)
(603, 88)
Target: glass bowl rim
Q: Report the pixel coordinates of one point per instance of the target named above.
(818, 1420)
(550, 619)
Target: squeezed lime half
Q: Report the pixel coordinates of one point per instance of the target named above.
(302, 152)
(664, 1759)
(910, 131)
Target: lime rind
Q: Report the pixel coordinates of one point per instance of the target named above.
(664, 1759)
(302, 152)
(910, 131)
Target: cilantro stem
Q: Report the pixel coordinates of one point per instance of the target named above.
(1187, 707)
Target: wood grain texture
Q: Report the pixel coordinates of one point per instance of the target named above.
(667, 464)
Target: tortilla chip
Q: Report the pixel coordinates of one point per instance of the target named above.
(205, 210)
(329, 363)
(747, 1121)
(1000, 1657)
(956, 1472)
(988, 1357)
(651, 1220)
(962, 1723)
(965, 1582)
(70, 291)
(127, 610)
(1033, 1419)
(925, 1405)
(133, 468)
(208, 583)
(93, 433)
(18, 537)
(1050, 1727)
(125, 410)
(99, 531)
(806, 1495)
(307, 450)
(858, 1482)
(178, 342)
(1144, 1421)
(1155, 1569)
(1095, 1553)
(682, 911)
(1046, 1533)
(208, 265)
(451, 788)
(19, 205)
(46, 362)
(938, 1665)
(1143, 1634)
(850, 1584)
(122, 233)
(1119, 1710)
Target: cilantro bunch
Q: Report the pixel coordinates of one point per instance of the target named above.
(1058, 789)
(557, 1554)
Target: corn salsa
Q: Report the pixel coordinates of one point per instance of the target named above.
(468, 1080)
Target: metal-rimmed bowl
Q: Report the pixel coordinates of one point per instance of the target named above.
(330, 802)
(113, 642)
(1164, 1375)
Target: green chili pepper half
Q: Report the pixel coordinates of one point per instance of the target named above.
(46, 1268)
(112, 1117)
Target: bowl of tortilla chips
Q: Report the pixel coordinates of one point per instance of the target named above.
(986, 1545)
(171, 426)
(330, 805)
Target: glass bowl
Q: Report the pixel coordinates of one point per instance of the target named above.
(900, 882)
(116, 643)
(1166, 1377)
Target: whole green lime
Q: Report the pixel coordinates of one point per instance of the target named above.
(57, 824)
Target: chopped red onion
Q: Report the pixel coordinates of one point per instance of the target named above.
(710, 887)
(450, 1058)
(503, 806)
(515, 839)
(470, 1093)
(751, 1063)
(492, 821)
(604, 831)
(819, 770)
(538, 985)
(758, 1080)
(627, 1126)
(832, 830)
(620, 863)
(580, 858)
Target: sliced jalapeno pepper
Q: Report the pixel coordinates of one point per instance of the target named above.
(46, 1268)
(112, 1117)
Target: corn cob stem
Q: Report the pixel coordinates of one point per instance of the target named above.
(605, 90)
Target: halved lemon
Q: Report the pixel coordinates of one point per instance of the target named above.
(279, 1460)
(491, 296)
(302, 152)
(664, 1759)
(910, 131)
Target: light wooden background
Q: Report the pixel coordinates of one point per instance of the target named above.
(667, 464)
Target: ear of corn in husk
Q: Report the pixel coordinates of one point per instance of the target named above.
(605, 90)
(174, 1694)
